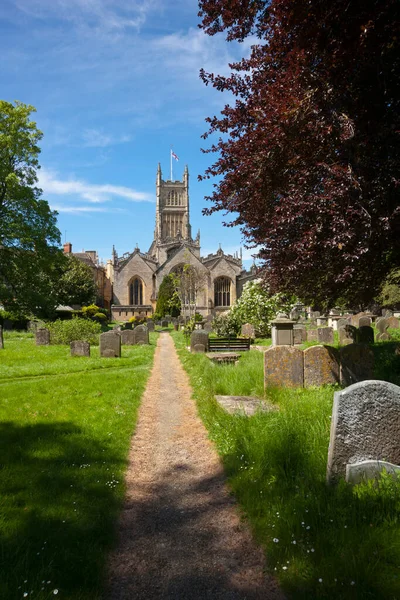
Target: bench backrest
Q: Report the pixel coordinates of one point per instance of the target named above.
(226, 343)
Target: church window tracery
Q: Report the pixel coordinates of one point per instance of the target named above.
(222, 291)
(136, 292)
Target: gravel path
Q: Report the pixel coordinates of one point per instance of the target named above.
(180, 534)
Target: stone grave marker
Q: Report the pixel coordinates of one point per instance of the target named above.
(299, 335)
(356, 364)
(164, 323)
(312, 335)
(322, 321)
(364, 322)
(248, 331)
(150, 325)
(283, 366)
(128, 337)
(365, 426)
(42, 337)
(176, 325)
(198, 337)
(393, 322)
(208, 326)
(369, 469)
(365, 334)
(382, 325)
(341, 323)
(1, 338)
(199, 348)
(386, 312)
(325, 335)
(141, 335)
(80, 348)
(344, 338)
(245, 405)
(321, 366)
(110, 344)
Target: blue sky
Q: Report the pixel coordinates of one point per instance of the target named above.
(115, 83)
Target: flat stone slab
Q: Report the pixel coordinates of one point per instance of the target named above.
(246, 405)
(223, 357)
(369, 469)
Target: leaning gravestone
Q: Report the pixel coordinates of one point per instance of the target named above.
(299, 335)
(79, 348)
(150, 325)
(382, 325)
(248, 331)
(349, 333)
(283, 366)
(110, 344)
(364, 322)
(141, 335)
(325, 335)
(393, 322)
(321, 366)
(1, 338)
(356, 364)
(344, 337)
(365, 335)
(128, 337)
(198, 337)
(312, 335)
(365, 426)
(42, 337)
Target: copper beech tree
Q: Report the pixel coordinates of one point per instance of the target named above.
(308, 152)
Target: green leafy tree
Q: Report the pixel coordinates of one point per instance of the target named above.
(168, 302)
(390, 292)
(76, 284)
(29, 238)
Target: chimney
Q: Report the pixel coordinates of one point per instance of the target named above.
(67, 248)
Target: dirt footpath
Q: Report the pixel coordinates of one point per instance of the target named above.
(180, 535)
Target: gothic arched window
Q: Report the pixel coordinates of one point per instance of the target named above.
(222, 291)
(136, 292)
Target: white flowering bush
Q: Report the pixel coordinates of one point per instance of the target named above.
(258, 307)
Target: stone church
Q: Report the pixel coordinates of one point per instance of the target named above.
(136, 276)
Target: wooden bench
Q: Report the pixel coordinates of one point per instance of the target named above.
(227, 344)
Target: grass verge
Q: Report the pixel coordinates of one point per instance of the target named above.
(337, 542)
(64, 442)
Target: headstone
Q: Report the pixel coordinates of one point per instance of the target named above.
(199, 348)
(176, 325)
(150, 325)
(110, 344)
(393, 322)
(334, 312)
(128, 337)
(42, 337)
(141, 335)
(321, 366)
(1, 338)
(386, 312)
(248, 331)
(356, 364)
(325, 335)
(365, 426)
(294, 314)
(365, 335)
(369, 469)
(282, 330)
(312, 335)
(364, 322)
(283, 366)
(164, 323)
(198, 337)
(322, 321)
(351, 332)
(299, 335)
(341, 323)
(356, 318)
(208, 326)
(245, 405)
(382, 326)
(79, 348)
(344, 337)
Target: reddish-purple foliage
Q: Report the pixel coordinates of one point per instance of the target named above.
(310, 162)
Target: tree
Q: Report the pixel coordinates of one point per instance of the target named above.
(168, 302)
(76, 284)
(309, 152)
(29, 238)
(189, 281)
(390, 292)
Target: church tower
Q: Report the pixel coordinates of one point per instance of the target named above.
(172, 217)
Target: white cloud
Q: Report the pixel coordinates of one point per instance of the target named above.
(93, 138)
(78, 209)
(95, 193)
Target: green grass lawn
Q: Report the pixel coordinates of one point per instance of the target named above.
(321, 542)
(64, 440)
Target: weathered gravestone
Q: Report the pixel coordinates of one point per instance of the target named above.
(245, 405)
(198, 338)
(364, 322)
(299, 335)
(325, 335)
(248, 331)
(365, 426)
(150, 325)
(347, 335)
(176, 325)
(386, 312)
(341, 323)
(141, 334)
(110, 344)
(42, 337)
(128, 337)
(356, 364)
(79, 348)
(356, 318)
(321, 366)
(1, 338)
(208, 326)
(322, 321)
(283, 366)
(382, 325)
(365, 335)
(393, 322)
(312, 335)
(164, 323)
(369, 469)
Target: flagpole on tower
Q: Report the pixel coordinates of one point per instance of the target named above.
(170, 156)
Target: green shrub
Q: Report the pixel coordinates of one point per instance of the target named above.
(100, 317)
(227, 325)
(64, 332)
(18, 321)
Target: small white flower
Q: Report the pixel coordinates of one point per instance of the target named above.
(275, 540)
(320, 580)
(284, 568)
(55, 592)
(352, 583)
(25, 594)
(308, 527)
(294, 542)
(312, 550)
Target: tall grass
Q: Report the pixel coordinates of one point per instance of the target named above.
(64, 442)
(321, 542)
